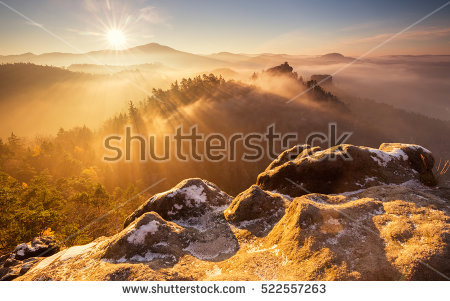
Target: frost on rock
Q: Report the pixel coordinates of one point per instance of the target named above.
(383, 158)
(191, 193)
(77, 251)
(149, 256)
(137, 236)
(40, 246)
(146, 237)
(189, 200)
(20, 249)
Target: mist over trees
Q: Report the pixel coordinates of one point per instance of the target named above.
(59, 183)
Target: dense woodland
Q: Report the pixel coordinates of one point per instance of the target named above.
(55, 187)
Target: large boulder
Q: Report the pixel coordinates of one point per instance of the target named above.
(151, 238)
(256, 210)
(348, 168)
(146, 239)
(39, 247)
(197, 206)
(187, 203)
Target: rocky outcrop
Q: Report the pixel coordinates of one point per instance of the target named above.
(42, 246)
(196, 207)
(148, 238)
(12, 268)
(256, 210)
(372, 219)
(347, 168)
(282, 69)
(191, 202)
(26, 255)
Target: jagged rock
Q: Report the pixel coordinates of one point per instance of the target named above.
(281, 69)
(15, 268)
(347, 168)
(11, 262)
(256, 210)
(188, 202)
(25, 256)
(146, 239)
(289, 155)
(39, 247)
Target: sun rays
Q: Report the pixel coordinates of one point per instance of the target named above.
(116, 38)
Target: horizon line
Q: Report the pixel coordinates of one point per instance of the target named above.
(215, 53)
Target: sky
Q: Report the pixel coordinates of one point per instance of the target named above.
(208, 26)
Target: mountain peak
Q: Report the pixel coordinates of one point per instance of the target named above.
(153, 47)
(333, 55)
(281, 69)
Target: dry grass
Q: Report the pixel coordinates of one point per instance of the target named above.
(442, 170)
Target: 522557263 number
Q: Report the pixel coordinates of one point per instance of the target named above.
(293, 288)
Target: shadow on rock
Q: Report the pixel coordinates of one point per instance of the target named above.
(256, 210)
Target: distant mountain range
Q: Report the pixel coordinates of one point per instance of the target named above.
(150, 53)
(156, 53)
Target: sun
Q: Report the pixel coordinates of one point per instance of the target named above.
(116, 38)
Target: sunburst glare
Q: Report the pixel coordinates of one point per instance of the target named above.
(116, 38)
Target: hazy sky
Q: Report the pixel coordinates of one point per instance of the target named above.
(249, 26)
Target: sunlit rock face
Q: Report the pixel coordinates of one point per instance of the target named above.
(256, 210)
(146, 239)
(369, 235)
